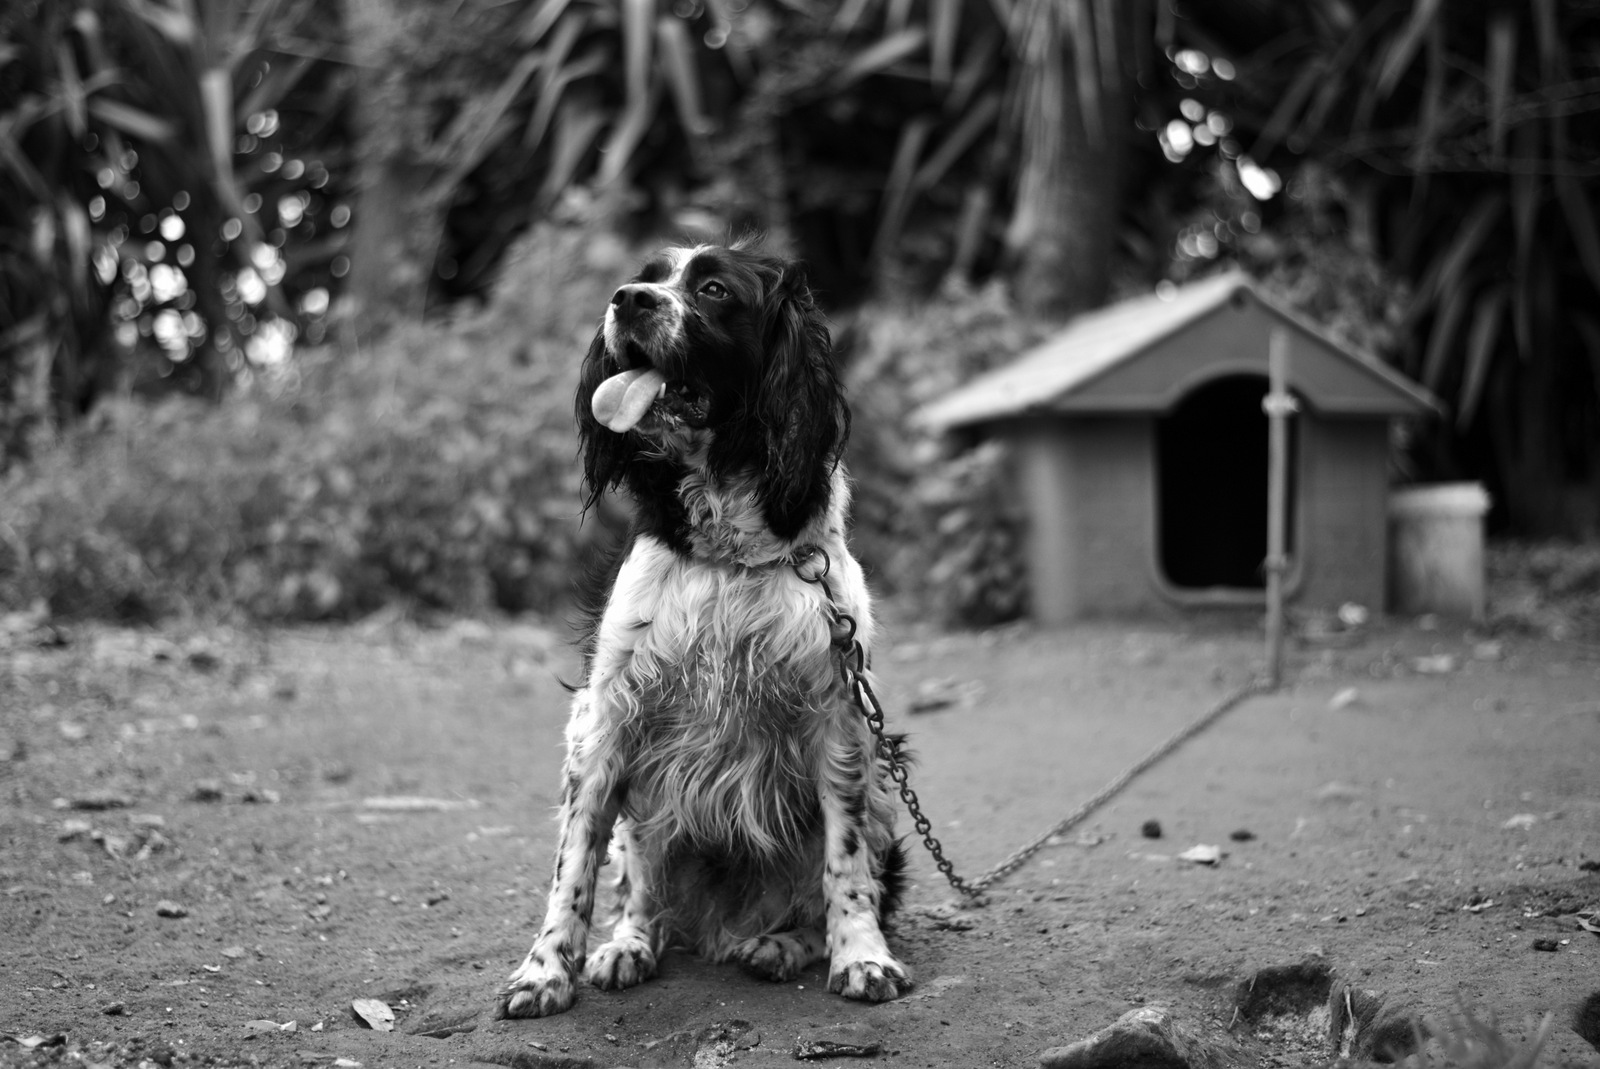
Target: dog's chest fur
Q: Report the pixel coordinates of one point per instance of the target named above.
(728, 679)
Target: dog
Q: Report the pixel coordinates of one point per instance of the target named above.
(715, 744)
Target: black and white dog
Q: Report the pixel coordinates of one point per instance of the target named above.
(714, 745)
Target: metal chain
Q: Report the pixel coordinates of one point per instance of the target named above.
(852, 666)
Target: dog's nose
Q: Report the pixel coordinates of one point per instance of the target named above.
(635, 297)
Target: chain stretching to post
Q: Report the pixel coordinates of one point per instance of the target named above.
(852, 666)
(811, 564)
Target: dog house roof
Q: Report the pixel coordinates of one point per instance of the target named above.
(1143, 354)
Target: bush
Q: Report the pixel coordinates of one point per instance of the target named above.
(439, 468)
(935, 524)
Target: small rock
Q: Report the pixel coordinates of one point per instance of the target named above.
(115, 1009)
(1146, 1036)
(168, 908)
(374, 1013)
(1521, 820)
(98, 801)
(1150, 829)
(1241, 835)
(207, 790)
(1549, 946)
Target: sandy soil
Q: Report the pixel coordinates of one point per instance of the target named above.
(365, 813)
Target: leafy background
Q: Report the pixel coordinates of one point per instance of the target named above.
(372, 237)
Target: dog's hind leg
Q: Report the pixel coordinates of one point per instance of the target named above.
(629, 956)
(782, 955)
(546, 981)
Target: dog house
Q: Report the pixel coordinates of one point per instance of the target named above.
(1139, 452)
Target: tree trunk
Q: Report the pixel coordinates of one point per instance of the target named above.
(399, 217)
(1063, 228)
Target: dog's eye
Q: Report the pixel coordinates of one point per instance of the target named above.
(715, 290)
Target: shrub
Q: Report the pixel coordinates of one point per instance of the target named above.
(438, 468)
(934, 524)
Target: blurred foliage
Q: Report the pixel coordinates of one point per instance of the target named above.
(872, 136)
(1545, 588)
(933, 523)
(148, 190)
(1456, 145)
(439, 470)
(185, 190)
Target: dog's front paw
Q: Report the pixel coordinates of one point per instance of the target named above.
(870, 981)
(538, 990)
(621, 963)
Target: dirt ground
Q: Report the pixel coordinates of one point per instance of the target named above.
(212, 843)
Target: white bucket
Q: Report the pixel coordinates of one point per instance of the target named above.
(1436, 549)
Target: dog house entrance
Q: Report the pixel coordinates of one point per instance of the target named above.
(1211, 452)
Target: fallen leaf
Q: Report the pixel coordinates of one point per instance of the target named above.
(1202, 854)
(374, 1013)
(1345, 698)
(838, 1041)
(1352, 614)
(1334, 791)
(409, 804)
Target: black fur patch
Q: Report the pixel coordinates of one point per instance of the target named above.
(894, 879)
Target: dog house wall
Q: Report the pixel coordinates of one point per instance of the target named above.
(1089, 485)
(1081, 415)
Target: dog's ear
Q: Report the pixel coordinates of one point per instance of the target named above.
(801, 408)
(604, 454)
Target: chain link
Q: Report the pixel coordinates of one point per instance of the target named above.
(852, 667)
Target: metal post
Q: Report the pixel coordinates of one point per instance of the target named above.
(1279, 405)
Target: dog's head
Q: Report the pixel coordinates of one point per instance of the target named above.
(714, 356)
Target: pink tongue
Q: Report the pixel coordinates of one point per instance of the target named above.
(622, 400)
